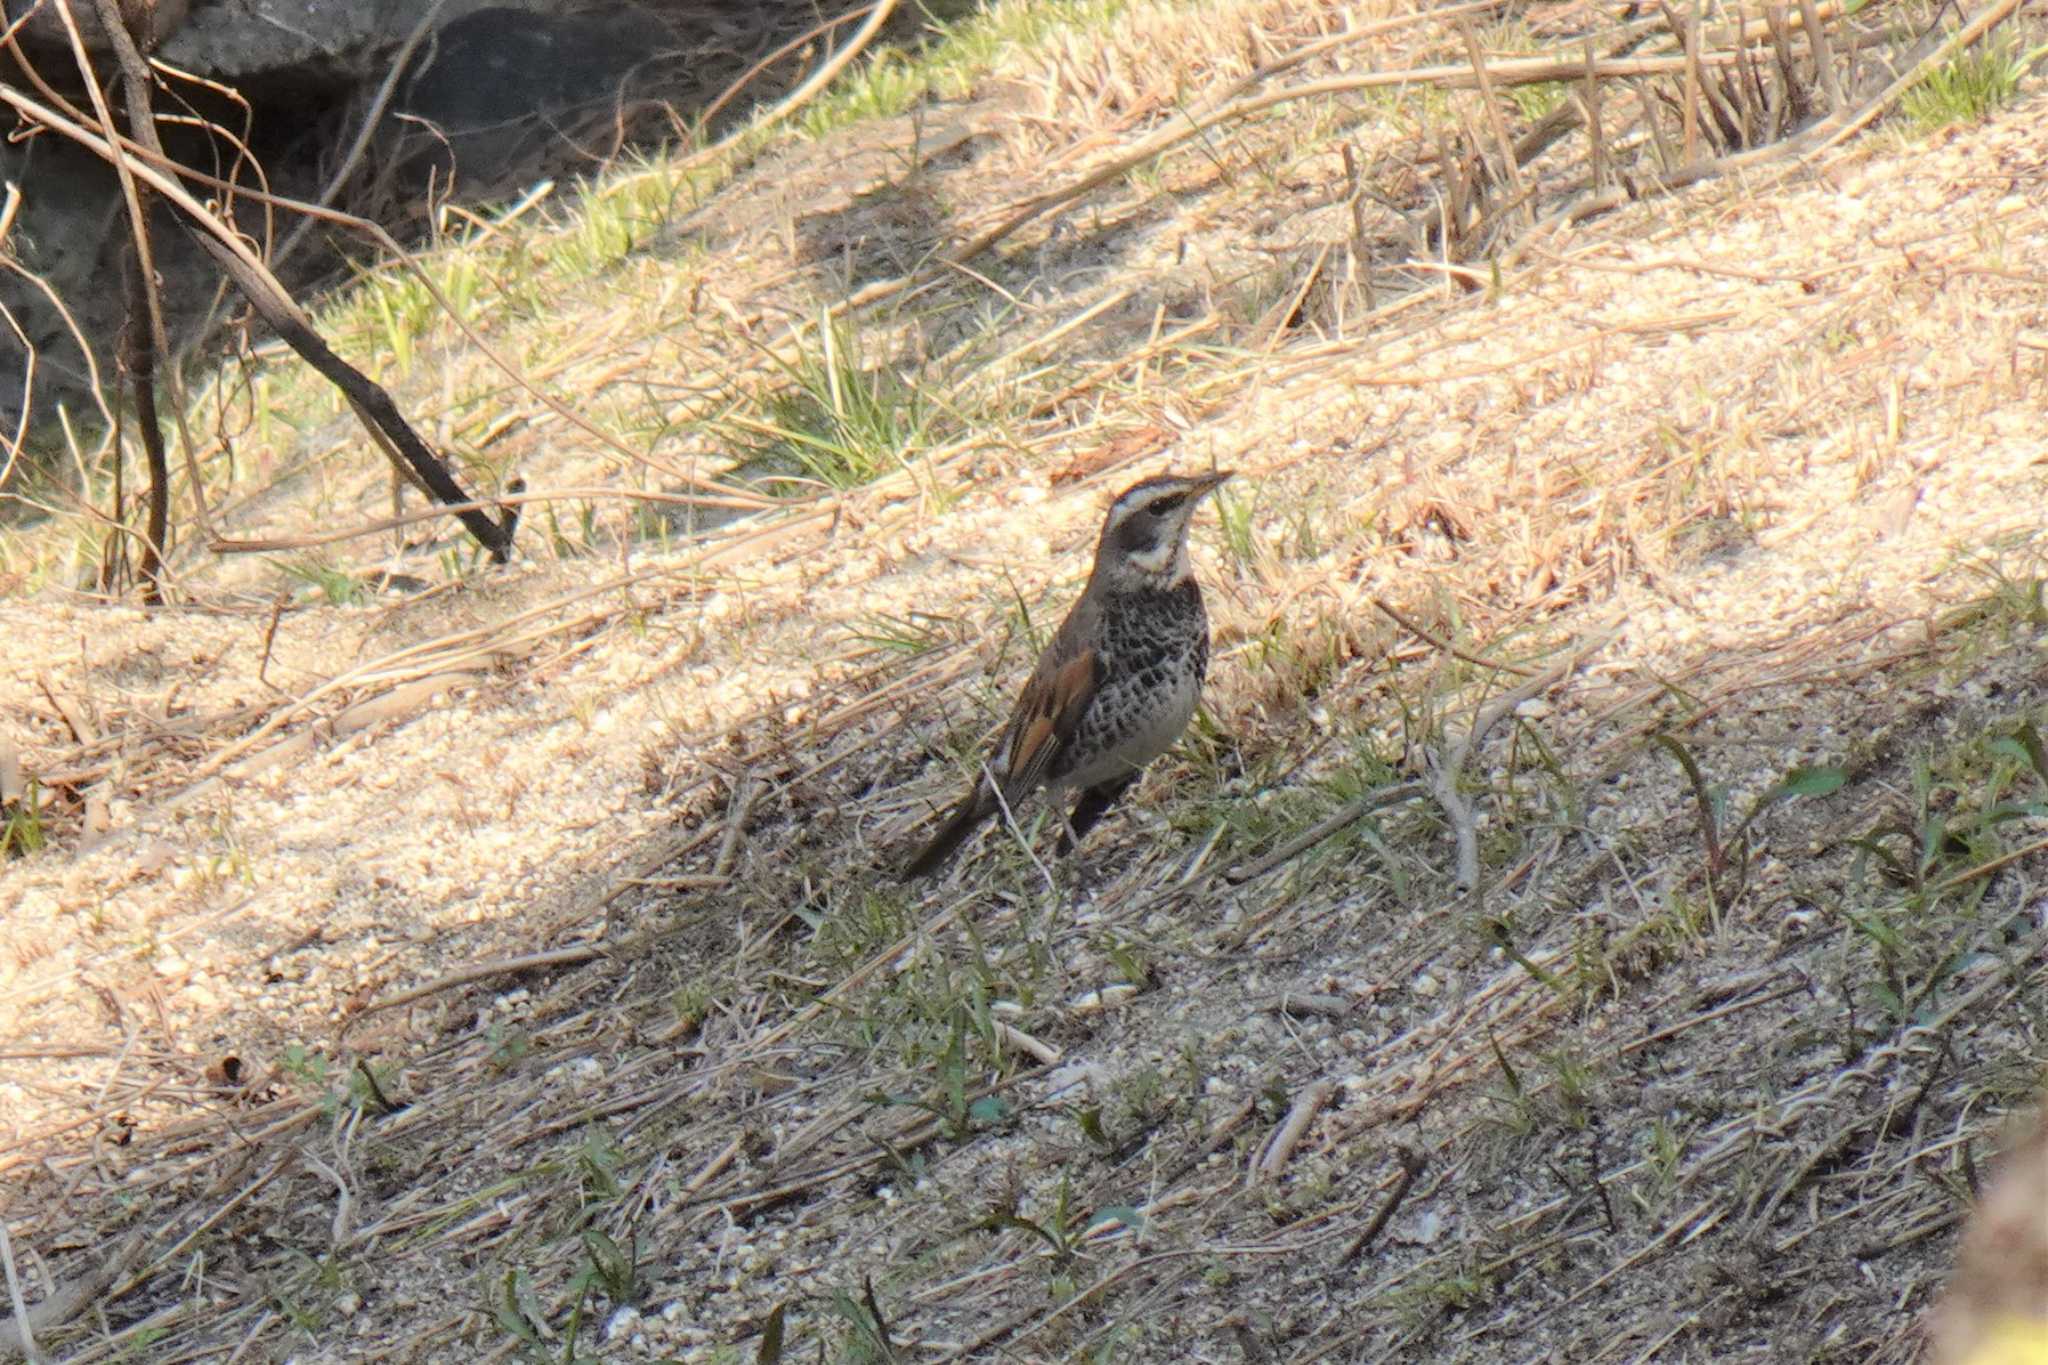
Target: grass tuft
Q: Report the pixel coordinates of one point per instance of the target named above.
(961, 47)
(1979, 80)
(843, 418)
(324, 583)
(21, 825)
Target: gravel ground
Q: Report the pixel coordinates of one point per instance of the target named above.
(1766, 460)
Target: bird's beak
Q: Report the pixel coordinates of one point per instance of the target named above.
(1208, 483)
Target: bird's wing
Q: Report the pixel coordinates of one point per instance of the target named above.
(1048, 713)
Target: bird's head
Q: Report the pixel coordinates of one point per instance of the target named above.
(1145, 537)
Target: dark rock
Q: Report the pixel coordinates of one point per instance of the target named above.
(508, 88)
(324, 42)
(150, 21)
(507, 92)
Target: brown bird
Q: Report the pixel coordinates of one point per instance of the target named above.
(1118, 683)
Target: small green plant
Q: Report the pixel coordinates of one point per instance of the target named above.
(690, 1004)
(1513, 38)
(909, 635)
(232, 860)
(312, 1070)
(1129, 959)
(870, 1340)
(1968, 87)
(1919, 885)
(597, 1165)
(1728, 850)
(1562, 1102)
(460, 276)
(1572, 1089)
(324, 582)
(2013, 601)
(366, 1088)
(608, 1269)
(1536, 100)
(1664, 1151)
(951, 1104)
(603, 231)
(137, 1346)
(21, 824)
(770, 1351)
(843, 418)
(613, 1268)
(1308, 540)
(888, 84)
(965, 41)
(846, 935)
(517, 1309)
(1062, 1229)
(574, 544)
(1426, 1299)
(509, 1046)
(309, 1067)
(1234, 520)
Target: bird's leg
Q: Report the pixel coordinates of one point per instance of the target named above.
(1072, 868)
(1093, 805)
(1094, 802)
(1068, 838)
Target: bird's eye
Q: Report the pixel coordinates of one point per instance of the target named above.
(1162, 507)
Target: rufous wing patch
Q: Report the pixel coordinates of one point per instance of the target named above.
(1073, 687)
(1047, 715)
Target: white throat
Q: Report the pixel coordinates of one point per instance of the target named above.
(1168, 559)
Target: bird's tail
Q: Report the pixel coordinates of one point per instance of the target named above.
(979, 805)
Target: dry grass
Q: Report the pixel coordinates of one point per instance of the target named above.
(502, 970)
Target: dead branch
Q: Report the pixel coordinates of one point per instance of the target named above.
(66, 1301)
(1440, 781)
(1044, 1053)
(373, 406)
(1830, 132)
(1511, 162)
(145, 346)
(1280, 1150)
(1966, 37)
(1340, 819)
(141, 367)
(483, 971)
(1413, 1163)
(1445, 645)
